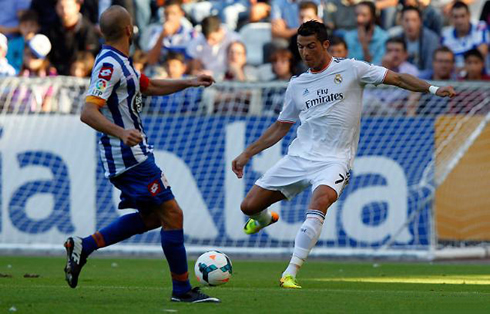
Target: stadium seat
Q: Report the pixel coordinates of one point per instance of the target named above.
(255, 36)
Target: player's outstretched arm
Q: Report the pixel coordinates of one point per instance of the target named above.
(270, 137)
(165, 87)
(92, 117)
(410, 82)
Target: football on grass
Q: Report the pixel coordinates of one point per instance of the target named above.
(213, 268)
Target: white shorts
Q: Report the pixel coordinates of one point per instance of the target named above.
(291, 175)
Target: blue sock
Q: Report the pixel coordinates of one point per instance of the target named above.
(174, 250)
(119, 230)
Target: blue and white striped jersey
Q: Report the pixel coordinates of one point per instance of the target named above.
(115, 87)
(477, 35)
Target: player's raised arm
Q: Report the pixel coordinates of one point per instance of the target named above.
(165, 87)
(270, 137)
(410, 82)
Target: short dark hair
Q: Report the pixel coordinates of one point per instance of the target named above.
(443, 49)
(172, 2)
(459, 5)
(280, 54)
(172, 55)
(411, 8)
(210, 25)
(473, 53)
(397, 40)
(372, 8)
(314, 28)
(29, 16)
(308, 5)
(334, 41)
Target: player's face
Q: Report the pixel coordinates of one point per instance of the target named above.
(312, 51)
(443, 64)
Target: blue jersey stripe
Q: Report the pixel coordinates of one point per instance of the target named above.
(113, 104)
(111, 167)
(131, 86)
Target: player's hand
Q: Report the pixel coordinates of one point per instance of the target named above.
(202, 80)
(446, 91)
(131, 137)
(238, 164)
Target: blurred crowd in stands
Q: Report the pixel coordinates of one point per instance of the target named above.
(249, 40)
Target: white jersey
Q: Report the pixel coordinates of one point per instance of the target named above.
(115, 80)
(329, 105)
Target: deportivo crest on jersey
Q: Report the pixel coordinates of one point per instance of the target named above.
(138, 102)
(106, 71)
(337, 79)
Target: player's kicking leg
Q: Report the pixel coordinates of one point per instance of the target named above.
(78, 249)
(255, 206)
(307, 236)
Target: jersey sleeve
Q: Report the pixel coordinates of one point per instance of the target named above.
(104, 77)
(289, 112)
(369, 73)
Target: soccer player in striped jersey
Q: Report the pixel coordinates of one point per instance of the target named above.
(112, 107)
(327, 101)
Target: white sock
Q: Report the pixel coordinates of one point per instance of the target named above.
(305, 240)
(264, 217)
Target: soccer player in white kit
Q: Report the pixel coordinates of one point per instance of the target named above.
(327, 99)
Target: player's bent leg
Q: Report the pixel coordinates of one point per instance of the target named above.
(255, 206)
(78, 249)
(172, 239)
(309, 233)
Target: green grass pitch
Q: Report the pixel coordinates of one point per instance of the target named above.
(142, 285)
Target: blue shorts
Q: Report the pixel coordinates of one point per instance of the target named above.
(143, 186)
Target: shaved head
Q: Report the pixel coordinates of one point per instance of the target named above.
(114, 22)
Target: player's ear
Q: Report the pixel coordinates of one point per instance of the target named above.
(326, 44)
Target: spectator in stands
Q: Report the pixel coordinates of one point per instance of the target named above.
(70, 34)
(367, 42)
(282, 64)
(431, 17)
(35, 62)
(83, 64)
(396, 57)
(485, 13)
(188, 100)
(421, 42)
(474, 66)
(284, 20)
(464, 35)
(5, 68)
(308, 10)
(208, 50)
(340, 15)
(28, 27)
(140, 61)
(172, 36)
(442, 66)
(9, 16)
(338, 47)
(175, 65)
(237, 68)
(442, 70)
(38, 97)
